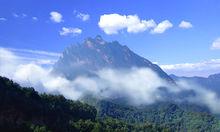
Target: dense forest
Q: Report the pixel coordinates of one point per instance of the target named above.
(169, 115)
(24, 109)
(176, 116)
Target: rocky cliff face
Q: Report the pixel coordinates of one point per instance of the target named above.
(95, 54)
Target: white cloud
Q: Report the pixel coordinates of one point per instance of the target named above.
(143, 89)
(40, 78)
(113, 23)
(34, 18)
(185, 25)
(82, 16)
(208, 98)
(202, 95)
(30, 56)
(162, 27)
(56, 17)
(3, 19)
(39, 52)
(204, 68)
(70, 31)
(8, 62)
(22, 15)
(15, 15)
(216, 44)
(135, 25)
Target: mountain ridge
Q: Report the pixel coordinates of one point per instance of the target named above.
(95, 53)
(211, 82)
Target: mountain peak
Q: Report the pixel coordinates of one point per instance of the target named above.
(95, 54)
(94, 41)
(98, 38)
(214, 76)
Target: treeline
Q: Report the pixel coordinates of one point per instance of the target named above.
(23, 109)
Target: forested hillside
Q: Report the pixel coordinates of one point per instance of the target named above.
(23, 109)
(175, 116)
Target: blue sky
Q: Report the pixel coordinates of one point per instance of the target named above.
(28, 24)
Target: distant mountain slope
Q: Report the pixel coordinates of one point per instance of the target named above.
(95, 54)
(211, 82)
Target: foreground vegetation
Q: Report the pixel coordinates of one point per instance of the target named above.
(23, 109)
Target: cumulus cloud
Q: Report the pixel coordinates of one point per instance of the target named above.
(162, 27)
(3, 19)
(185, 25)
(82, 16)
(216, 44)
(70, 31)
(139, 85)
(34, 18)
(56, 17)
(113, 23)
(203, 68)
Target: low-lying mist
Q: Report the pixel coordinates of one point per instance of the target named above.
(139, 85)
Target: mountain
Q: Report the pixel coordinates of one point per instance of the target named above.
(211, 82)
(95, 53)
